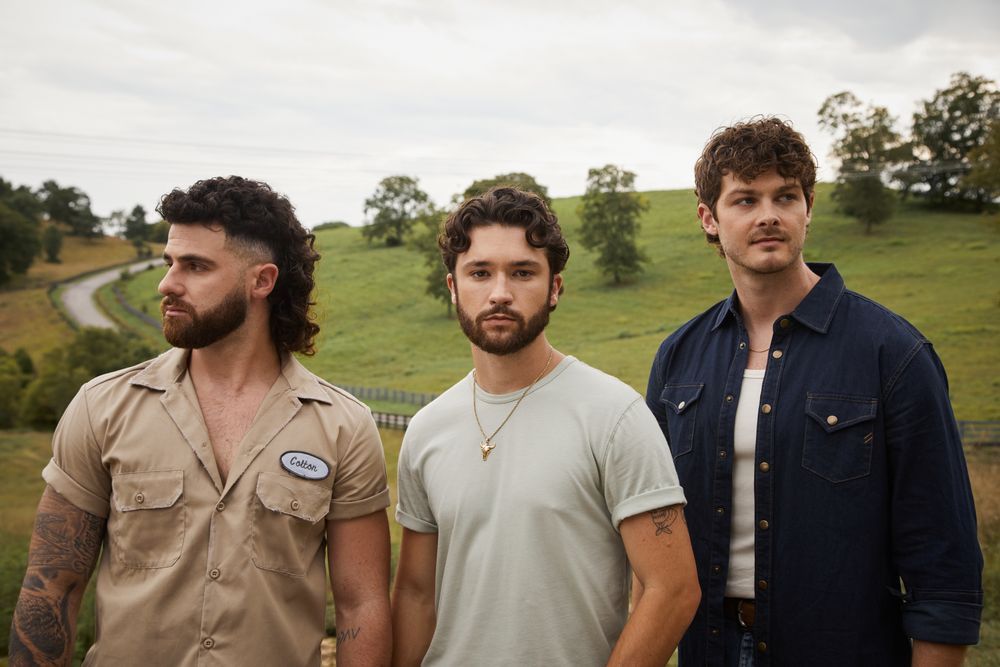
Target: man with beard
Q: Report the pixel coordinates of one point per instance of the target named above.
(217, 476)
(828, 498)
(528, 489)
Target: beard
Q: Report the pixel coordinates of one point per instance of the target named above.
(503, 343)
(205, 328)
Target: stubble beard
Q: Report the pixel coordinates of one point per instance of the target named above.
(503, 343)
(206, 328)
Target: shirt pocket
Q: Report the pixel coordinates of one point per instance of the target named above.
(840, 435)
(287, 528)
(149, 520)
(682, 410)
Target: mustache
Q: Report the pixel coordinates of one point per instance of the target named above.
(499, 309)
(173, 302)
(772, 233)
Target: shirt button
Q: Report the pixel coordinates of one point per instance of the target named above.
(716, 569)
(295, 504)
(221, 506)
(720, 510)
(832, 420)
(764, 466)
(762, 585)
(762, 647)
(776, 354)
(715, 631)
(766, 408)
(214, 573)
(729, 398)
(208, 642)
(722, 453)
(680, 406)
(743, 346)
(764, 525)
(785, 323)
(139, 498)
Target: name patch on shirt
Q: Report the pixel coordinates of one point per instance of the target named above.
(305, 465)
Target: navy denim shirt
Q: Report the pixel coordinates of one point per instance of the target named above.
(865, 524)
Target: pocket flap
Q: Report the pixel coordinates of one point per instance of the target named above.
(681, 396)
(834, 412)
(302, 499)
(151, 490)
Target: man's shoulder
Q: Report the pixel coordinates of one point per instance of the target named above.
(865, 316)
(444, 407)
(592, 384)
(697, 326)
(121, 377)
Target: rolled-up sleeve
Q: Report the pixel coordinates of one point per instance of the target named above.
(76, 471)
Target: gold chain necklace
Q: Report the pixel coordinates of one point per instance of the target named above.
(487, 445)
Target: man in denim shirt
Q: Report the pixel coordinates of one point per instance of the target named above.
(828, 499)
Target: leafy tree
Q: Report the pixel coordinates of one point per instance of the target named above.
(135, 227)
(424, 240)
(21, 199)
(610, 212)
(52, 239)
(867, 146)
(11, 383)
(395, 206)
(158, 231)
(19, 243)
(24, 362)
(984, 160)
(63, 370)
(70, 206)
(332, 224)
(946, 129)
(517, 178)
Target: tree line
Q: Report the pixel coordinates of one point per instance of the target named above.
(950, 159)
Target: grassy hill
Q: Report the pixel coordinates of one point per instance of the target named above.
(941, 271)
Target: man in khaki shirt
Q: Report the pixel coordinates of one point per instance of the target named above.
(217, 475)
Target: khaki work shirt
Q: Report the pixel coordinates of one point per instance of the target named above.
(194, 571)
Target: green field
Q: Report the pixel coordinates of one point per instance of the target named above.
(941, 271)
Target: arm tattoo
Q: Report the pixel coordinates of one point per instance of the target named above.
(664, 518)
(64, 549)
(348, 634)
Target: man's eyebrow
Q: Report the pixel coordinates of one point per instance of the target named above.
(188, 257)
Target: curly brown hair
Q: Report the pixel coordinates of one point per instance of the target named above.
(511, 207)
(259, 221)
(748, 149)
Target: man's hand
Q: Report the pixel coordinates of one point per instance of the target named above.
(358, 554)
(413, 614)
(64, 548)
(667, 596)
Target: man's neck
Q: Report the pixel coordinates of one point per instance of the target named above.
(241, 360)
(502, 374)
(766, 296)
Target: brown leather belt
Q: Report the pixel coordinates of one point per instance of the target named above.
(739, 610)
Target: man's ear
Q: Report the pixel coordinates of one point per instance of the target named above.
(265, 276)
(708, 222)
(450, 280)
(557, 286)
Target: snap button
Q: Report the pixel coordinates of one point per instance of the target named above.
(762, 647)
(680, 406)
(762, 585)
(743, 346)
(764, 466)
(729, 398)
(715, 631)
(785, 323)
(214, 573)
(208, 642)
(832, 420)
(720, 509)
(766, 408)
(764, 525)
(716, 569)
(221, 506)
(777, 354)
(722, 453)
(139, 498)
(295, 505)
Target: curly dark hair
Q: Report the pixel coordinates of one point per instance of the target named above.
(262, 222)
(510, 207)
(748, 149)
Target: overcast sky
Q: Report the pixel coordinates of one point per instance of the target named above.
(129, 99)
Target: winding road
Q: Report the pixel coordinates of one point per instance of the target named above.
(78, 296)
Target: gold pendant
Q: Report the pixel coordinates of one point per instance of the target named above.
(486, 446)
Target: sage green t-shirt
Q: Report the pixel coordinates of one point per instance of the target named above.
(531, 568)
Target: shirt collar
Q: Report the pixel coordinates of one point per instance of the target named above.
(814, 311)
(170, 368)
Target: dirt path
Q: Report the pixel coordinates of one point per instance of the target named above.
(78, 297)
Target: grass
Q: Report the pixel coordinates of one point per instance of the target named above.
(941, 271)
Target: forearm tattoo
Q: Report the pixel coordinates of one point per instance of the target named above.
(347, 635)
(664, 518)
(64, 548)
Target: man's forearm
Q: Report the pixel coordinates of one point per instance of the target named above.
(413, 623)
(64, 547)
(655, 627)
(364, 634)
(929, 654)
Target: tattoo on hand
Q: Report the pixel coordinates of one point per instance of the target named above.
(664, 518)
(345, 635)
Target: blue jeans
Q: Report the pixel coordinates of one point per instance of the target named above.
(739, 645)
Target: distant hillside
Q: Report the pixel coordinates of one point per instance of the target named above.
(939, 270)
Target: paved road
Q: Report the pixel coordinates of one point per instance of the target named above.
(78, 297)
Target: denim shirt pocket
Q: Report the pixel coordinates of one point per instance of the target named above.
(682, 410)
(840, 436)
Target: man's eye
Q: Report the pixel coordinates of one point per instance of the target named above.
(523, 273)
(479, 274)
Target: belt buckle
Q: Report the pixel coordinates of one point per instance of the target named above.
(739, 616)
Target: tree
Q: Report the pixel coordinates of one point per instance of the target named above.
(11, 383)
(396, 205)
(424, 240)
(867, 146)
(19, 243)
(52, 239)
(946, 129)
(135, 227)
(984, 162)
(610, 212)
(517, 179)
(21, 199)
(70, 206)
